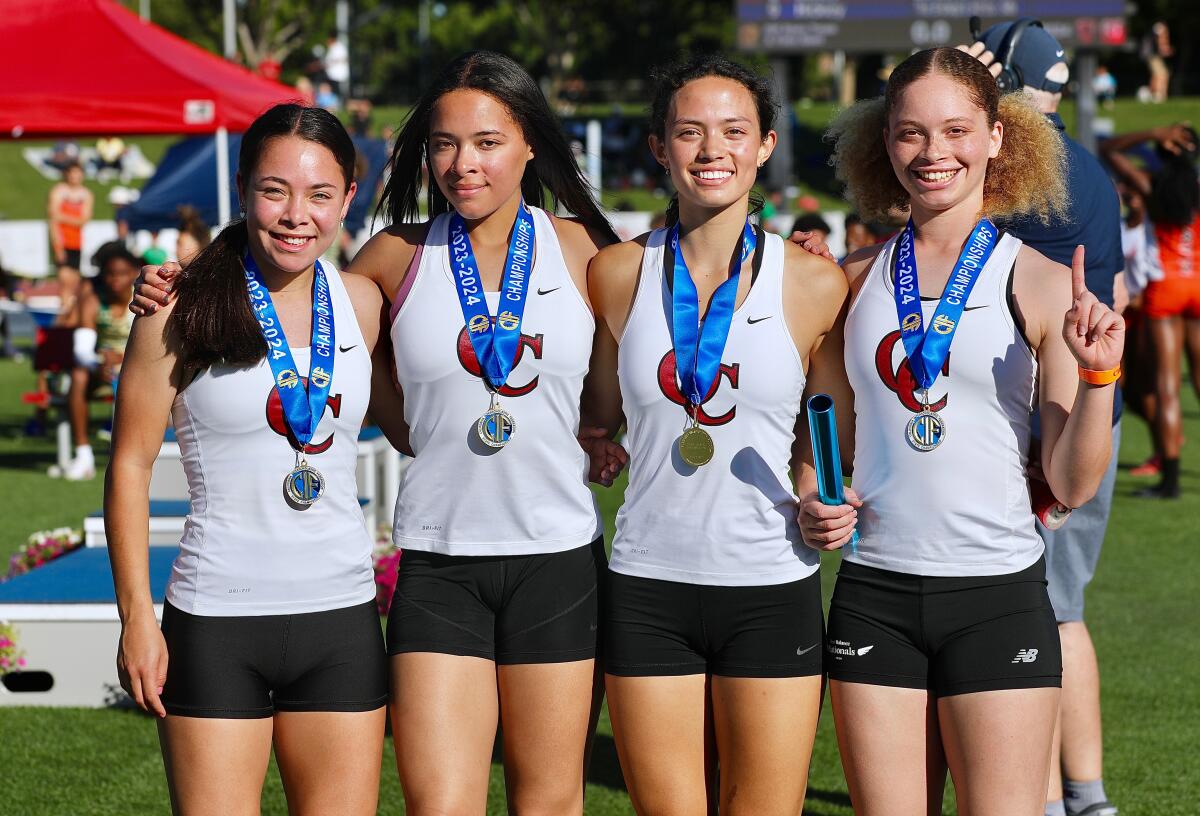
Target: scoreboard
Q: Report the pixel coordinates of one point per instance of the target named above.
(797, 26)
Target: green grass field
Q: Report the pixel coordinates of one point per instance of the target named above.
(24, 193)
(1141, 607)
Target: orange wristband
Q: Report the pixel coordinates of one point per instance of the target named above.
(1099, 377)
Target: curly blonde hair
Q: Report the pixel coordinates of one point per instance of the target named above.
(1027, 178)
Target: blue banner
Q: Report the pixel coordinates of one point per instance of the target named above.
(699, 345)
(927, 349)
(302, 410)
(495, 346)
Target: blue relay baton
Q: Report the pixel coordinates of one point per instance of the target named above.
(822, 428)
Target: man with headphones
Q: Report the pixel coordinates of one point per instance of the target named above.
(1023, 56)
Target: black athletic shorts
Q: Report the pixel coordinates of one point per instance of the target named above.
(251, 666)
(512, 609)
(664, 628)
(948, 635)
(74, 257)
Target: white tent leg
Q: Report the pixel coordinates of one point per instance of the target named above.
(222, 143)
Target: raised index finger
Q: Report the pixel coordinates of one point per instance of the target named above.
(1078, 280)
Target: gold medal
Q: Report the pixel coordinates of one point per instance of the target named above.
(696, 446)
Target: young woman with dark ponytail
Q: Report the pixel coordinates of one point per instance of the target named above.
(270, 634)
(713, 630)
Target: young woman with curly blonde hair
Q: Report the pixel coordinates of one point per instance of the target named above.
(942, 649)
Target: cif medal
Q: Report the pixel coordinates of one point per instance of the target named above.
(926, 429)
(696, 446)
(304, 484)
(495, 428)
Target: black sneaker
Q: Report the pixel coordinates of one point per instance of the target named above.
(1158, 491)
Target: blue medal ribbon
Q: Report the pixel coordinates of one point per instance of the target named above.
(302, 410)
(700, 344)
(927, 350)
(495, 345)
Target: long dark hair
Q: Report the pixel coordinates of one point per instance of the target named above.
(1175, 189)
(212, 321)
(669, 78)
(552, 169)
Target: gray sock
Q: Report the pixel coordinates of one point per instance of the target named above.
(1056, 808)
(1082, 795)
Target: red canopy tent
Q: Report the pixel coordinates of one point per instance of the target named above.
(92, 66)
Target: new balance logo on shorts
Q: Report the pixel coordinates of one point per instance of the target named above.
(1026, 656)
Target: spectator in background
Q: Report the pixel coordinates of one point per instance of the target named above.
(360, 117)
(6, 293)
(69, 208)
(1156, 50)
(858, 234)
(110, 153)
(194, 235)
(62, 155)
(1139, 366)
(326, 98)
(104, 325)
(1072, 552)
(1105, 86)
(337, 65)
(774, 203)
(304, 88)
(1170, 305)
(814, 224)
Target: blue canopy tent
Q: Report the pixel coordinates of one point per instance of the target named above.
(187, 175)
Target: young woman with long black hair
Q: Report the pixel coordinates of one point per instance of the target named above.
(270, 635)
(496, 607)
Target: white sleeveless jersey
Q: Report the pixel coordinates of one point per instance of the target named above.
(962, 509)
(731, 522)
(460, 497)
(244, 550)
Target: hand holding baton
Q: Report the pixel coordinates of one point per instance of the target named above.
(827, 458)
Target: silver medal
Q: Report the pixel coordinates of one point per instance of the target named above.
(304, 484)
(496, 427)
(926, 429)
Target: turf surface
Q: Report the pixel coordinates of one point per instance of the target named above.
(1141, 607)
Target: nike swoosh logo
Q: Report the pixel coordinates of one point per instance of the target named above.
(753, 320)
(1059, 53)
(973, 308)
(548, 291)
(347, 348)
(800, 652)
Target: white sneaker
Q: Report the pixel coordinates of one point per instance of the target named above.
(78, 470)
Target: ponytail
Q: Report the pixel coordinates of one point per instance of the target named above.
(212, 319)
